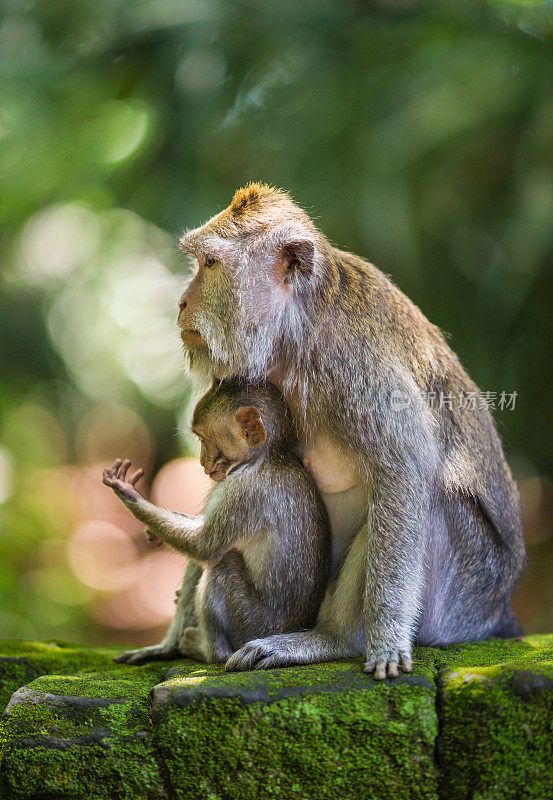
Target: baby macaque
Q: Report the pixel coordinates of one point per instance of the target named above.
(263, 540)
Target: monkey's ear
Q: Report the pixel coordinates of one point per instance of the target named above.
(250, 426)
(296, 256)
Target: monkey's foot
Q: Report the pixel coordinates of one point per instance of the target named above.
(287, 649)
(155, 652)
(387, 663)
(260, 654)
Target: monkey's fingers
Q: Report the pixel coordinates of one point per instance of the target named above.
(111, 472)
(405, 663)
(243, 659)
(380, 669)
(392, 669)
(269, 662)
(385, 665)
(121, 659)
(370, 664)
(133, 480)
(109, 477)
(115, 467)
(123, 469)
(155, 652)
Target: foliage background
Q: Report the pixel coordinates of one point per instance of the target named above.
(419, 134)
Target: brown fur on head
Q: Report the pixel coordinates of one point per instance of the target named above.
(248, 300)
(254, 207)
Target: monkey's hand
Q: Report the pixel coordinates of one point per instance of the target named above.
(151, 537)
(116, 478)
(386, 664)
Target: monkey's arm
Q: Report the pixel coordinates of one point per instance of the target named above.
(190, 535)
(403, 472)
(394, 579)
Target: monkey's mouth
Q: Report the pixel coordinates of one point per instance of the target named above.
(221, 471)
(190, 336)
(218, 475)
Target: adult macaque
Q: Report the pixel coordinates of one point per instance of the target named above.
(263, 540)
(425, 515)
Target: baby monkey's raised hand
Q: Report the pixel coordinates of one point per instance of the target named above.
(116, 478)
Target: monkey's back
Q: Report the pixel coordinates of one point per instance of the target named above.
(475, 522)
(394, 337)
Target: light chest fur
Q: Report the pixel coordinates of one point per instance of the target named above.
(258, 552)
(343, 486)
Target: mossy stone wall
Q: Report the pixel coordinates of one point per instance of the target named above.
(471, 721)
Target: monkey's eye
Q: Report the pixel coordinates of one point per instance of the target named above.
(210, 262)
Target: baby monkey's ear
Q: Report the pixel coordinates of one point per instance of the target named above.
(250, 426)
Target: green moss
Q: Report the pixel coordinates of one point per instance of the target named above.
(496, 738)
(108, 755)
(118, 682)
(21, 661)
(472, 721)
(82, 735)
(310, 676)
(528, 651)
(321, 731)
(372, 743)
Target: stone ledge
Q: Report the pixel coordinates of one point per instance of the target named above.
(471, 721)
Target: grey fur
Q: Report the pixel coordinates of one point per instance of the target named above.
(261, 550)
(441, 548)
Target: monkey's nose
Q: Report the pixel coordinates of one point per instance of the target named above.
(307, 464)
(182, 306)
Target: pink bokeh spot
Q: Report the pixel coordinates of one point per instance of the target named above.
(181, 485)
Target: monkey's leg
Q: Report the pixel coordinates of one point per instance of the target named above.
(192, 645)
(466, 543)
(184, 618)
(229, 607)
(338, 634)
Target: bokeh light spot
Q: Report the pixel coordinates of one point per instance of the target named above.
(6, 475)
(123, 129)
(181, 485)
(102, 555)
(110, 431)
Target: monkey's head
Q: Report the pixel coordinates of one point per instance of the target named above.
(237, 423)
(247, 302)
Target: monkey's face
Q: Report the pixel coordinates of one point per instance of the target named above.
(207, 303)
(228, 440)
(241, 304)
(257, 263)
(218, 457)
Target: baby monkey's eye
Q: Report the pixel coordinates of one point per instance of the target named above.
(210, 262)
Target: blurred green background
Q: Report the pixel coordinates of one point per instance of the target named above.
(420, 135)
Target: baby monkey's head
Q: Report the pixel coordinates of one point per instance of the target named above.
(239, 422)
